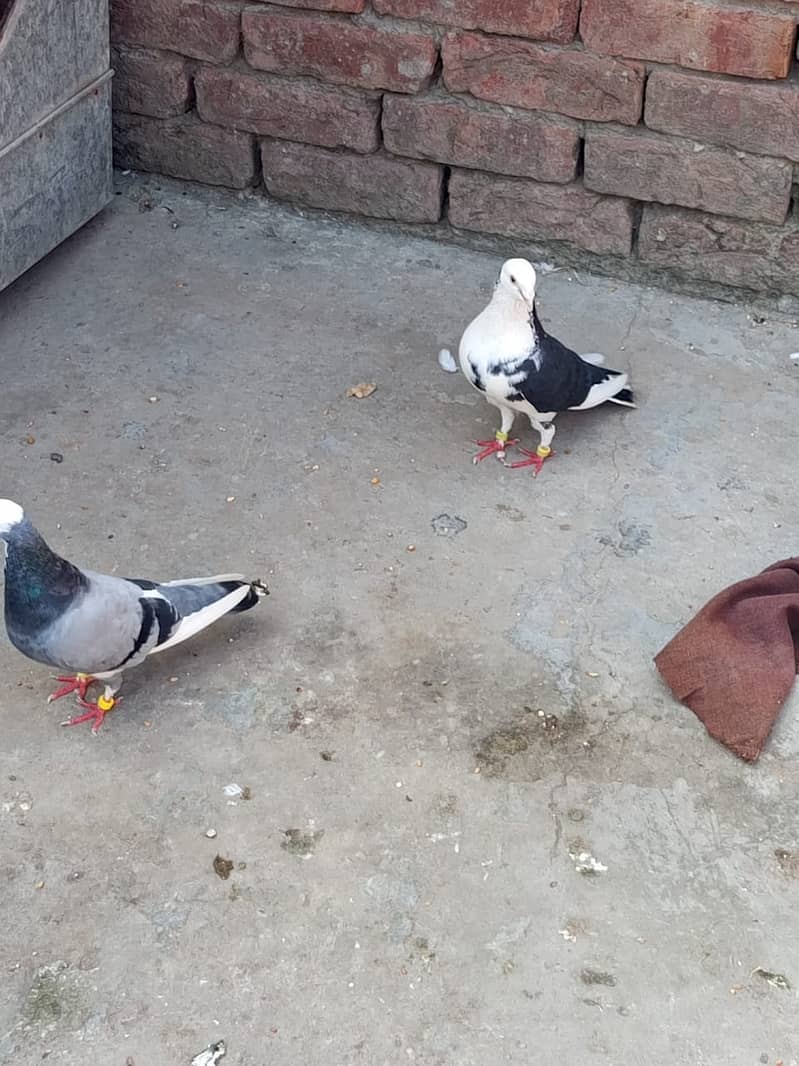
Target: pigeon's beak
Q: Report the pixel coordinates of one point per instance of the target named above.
(529, 297)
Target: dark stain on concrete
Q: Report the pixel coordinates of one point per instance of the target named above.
(535, 734)
(299, 842)
(597, 977)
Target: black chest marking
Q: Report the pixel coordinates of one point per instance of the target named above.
(477, 379)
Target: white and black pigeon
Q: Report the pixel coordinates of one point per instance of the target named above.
(508, 356)
(94, 626)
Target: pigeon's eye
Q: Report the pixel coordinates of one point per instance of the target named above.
(512, 280)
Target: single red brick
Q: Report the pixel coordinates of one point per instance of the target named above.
(184, 148)
(571, 82)
(150, 83)
(294, 109)
(375, 185)
(749, 115)
(544, 20)
(512, 207)
(648, 166)
(352, 7)
(750, 42)
(337, 50)
(725, 250)
(203, 29)
(448, 131)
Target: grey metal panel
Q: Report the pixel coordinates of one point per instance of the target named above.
(49, 50)
(54, 181)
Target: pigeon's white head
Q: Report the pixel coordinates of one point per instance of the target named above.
(11, 514)
(517, 280)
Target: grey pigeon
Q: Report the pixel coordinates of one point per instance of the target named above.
(94, 626)
(508, 356)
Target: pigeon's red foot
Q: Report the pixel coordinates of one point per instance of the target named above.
(78, 683)
(496, 447)
(95, 712)
(536, 459)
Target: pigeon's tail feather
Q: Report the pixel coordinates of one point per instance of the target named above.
(256, 591)
(217, 579)
(446, 362)
(214, 587)
(594, 358)
(624, 397)
(202, 602)
(609, 386)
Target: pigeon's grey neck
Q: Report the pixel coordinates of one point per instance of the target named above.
(38, 582)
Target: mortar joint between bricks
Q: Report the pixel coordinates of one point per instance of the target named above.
(638, 217)
(446, 173)
(259, 181)
(437, 77)
(381, 142)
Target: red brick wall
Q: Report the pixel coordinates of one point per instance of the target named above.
(658, 131)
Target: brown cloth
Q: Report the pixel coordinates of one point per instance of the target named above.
(736, 661)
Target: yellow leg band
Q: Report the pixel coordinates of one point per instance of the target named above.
(105, 704)
(542, 452)
(501, 437)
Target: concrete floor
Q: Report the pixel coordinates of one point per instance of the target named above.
(409, 893)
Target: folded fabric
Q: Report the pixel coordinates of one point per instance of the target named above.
(736, 661)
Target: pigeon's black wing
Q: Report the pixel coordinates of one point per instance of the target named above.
(556, 378)
(189, 606)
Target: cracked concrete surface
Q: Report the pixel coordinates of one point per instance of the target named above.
(428, 735)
